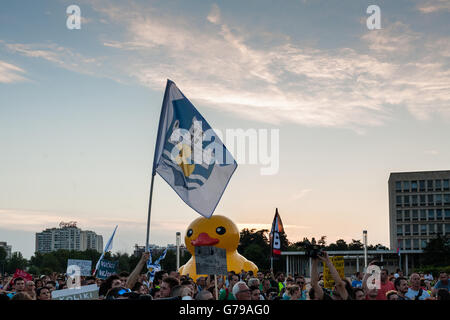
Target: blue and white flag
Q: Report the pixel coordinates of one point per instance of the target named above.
(154, 267)
(189, 155)
(108, 247)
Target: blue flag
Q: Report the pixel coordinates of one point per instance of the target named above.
(189, 155)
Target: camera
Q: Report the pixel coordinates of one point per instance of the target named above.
(313, 251)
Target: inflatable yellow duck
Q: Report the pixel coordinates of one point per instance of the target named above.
(218, 231)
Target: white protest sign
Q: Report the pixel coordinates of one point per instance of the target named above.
(85, 266)
(89, 292)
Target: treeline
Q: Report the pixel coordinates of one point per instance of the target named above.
(254, 245)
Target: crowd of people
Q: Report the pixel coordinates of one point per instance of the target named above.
(239, 286)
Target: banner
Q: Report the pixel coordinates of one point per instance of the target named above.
(106, 268)
(89, 292)
(338, 263)
(84, 265)
(22, 274)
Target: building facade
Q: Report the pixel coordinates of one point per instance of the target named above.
(67, 237)
(419, 208)
(7, 248)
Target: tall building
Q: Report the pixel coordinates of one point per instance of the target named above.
(419, 208)
(7, 248)
(68, 237)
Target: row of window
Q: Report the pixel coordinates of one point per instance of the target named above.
(423, 229)
(423, 200)
(422, 185)
(423, 215)
(408, 244)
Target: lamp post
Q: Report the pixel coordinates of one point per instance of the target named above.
(365, 248)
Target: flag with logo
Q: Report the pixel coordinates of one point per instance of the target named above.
(156, 266)
(189, 155)
(277, 228)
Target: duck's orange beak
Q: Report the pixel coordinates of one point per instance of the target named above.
(204, 239)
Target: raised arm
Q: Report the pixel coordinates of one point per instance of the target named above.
(132, 279)
(340, 284)
(318, 292)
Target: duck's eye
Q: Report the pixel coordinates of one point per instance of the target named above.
(189, 233)
(220, 230)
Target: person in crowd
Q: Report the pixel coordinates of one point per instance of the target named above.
(51, 285)
(255, 293)
(227, 293)
(241, 291)
(415, 292)
(401, 286)
(139, 288)
(204, 295)
(442, 283)
(266, 285)
(359, 294)
(38, 283)
(112, 281)
(280, 282)
(293, 292)
(372, 294)
(443, 294)
(357, 283)
(167, 285)
(129, 280)
(392, 295)
(21, 296)
(155, 293)
(30, 288)
(428, 276)
(19, 286)
(118, 293)
(43, 293)
(398, 273)
(385, 285)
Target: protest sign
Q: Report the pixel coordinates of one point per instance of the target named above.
(211, 260)
(84, 265)
(338, 263)
(89, 292)
(106, 268)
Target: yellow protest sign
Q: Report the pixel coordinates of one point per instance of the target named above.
(338, 263)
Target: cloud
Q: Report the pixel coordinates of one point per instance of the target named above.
(280, 82)
(432, 152)
(10, 73)
(431, 6)
(285, 82)
(301, 194)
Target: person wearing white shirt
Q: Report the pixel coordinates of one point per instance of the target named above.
(415, 292)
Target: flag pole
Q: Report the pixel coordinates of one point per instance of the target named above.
(149, 213)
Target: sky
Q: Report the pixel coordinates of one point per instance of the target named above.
(79, 111)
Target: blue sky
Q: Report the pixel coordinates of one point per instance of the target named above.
(79, 110)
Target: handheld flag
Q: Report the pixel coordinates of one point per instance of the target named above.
(277, 228)
(189, 155)
(154, 267)
(108, 247)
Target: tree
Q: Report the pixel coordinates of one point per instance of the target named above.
(16, 262)
(340, 245)
(355, 245)
(437, 251)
